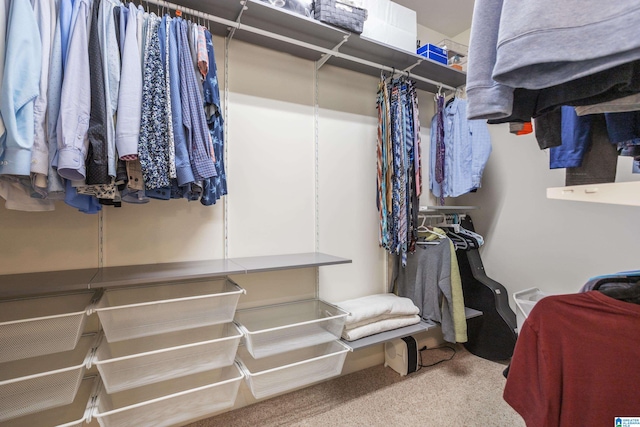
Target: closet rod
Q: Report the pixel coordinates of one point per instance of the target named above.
(290, 40)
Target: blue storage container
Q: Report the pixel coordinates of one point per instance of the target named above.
(434, 53)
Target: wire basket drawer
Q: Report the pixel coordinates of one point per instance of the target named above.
(170, 402)
(150, 310)
(31, 327)
(525, 300)
(288, 371)
(32, 385)
(141, 361)
(71, 415)
(285, 327)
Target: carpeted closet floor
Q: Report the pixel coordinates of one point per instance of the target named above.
(465, 391)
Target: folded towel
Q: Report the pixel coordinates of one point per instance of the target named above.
(366, 309)
(381, 326)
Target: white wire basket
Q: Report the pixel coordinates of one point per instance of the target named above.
(32, 385)
(525, 301)
(141, 361)
(284, 327)
(172, 402)
(71, 415)
(135, 312)
(31, 327)
(288, 371)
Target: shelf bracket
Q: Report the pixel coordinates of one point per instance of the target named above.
(411, 67)
(325, 57)
(232, 30)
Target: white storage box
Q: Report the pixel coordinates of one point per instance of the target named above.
(32, 327)
(63, 416)
(43, 382)
(150, 310)
(141, 361)
(284, 327)
(170, 402)
(525, 300)
(391, 24)
(287, 371)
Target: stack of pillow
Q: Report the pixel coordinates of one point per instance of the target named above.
(377, 313)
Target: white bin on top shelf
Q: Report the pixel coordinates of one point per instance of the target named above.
(71, 415)
(134, 312)
(31, 327)
(525, 300)
(32, 385)
(147, 360)
(287, 371)
(284, 327)
(172, 402)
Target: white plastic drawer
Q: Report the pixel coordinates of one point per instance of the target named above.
(32, 385)
(63, 416)
(150, 310)
(525, 300)
(287, 371)
(284, 327)
(141, 361)
(171, 402)
(31, 327)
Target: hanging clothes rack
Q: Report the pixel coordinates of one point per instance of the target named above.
(234, 25)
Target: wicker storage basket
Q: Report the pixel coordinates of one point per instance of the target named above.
(341, 15)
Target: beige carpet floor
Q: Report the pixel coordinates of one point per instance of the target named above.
(465, 391)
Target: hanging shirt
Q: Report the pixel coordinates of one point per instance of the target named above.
(55, 184)
(112, 69)
(4, 12)
(20, 87)
(75, 101)
(97, 155)
(17, 192)
(193, 111)
(183, 164)
(468, 146)
(130, 94)
(45, 12)
(216, 186)
(163, 34)
(467, 149)
(152, 148)
(426, 280)
(66, 21)
(576, 140)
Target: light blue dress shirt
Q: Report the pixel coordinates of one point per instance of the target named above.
(183, 164)
(20, 87)
(75, 101)
(467, 149)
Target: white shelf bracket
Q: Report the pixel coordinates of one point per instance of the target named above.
(411, 67)
(325, 57)
(232, 30)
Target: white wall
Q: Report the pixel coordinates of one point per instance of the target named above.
(532, 241)
(427, 35)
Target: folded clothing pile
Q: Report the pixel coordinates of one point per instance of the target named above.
(377, 313)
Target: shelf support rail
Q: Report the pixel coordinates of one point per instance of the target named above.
(330, 52)
(232, 30)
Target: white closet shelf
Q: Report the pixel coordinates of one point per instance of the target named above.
(447, 209)
(617, 193)
(264, 25)
(27, 284)
(383, 337)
